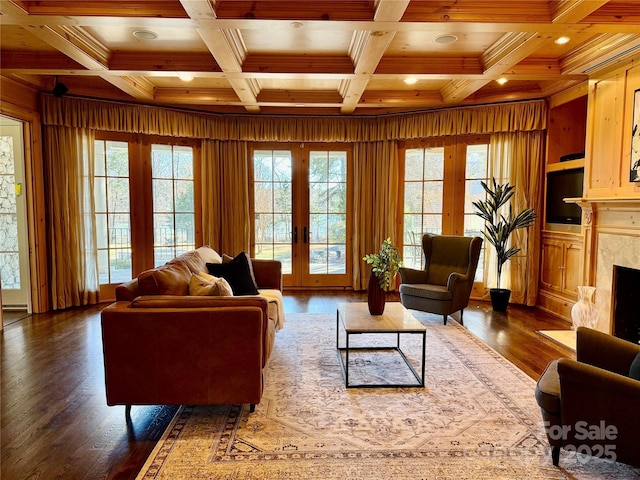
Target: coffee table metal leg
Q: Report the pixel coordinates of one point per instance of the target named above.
(346, 367)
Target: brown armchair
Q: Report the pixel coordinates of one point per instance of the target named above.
(444, 285)
(590, 405)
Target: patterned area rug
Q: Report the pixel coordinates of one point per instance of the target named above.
(476, 417)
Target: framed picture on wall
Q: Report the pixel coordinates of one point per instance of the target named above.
(635, 139)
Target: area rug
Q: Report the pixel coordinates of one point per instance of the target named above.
(476, 418)
(563, 337)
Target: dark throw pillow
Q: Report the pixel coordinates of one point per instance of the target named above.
(237, 272)
(634, 369)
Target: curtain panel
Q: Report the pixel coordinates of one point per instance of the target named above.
(225, 196)
(518, 158)
(375, 202)
(71, 216)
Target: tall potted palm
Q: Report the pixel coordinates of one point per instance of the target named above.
(498, 229)
(384, 267)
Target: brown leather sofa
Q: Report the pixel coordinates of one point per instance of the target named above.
(163, 346)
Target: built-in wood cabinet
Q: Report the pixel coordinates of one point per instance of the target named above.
(561, 264)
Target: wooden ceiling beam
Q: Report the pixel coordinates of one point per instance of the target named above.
(297, 97)
(137, 87)
(210, 96)
(507, 52)
(87, 51)
(228, 50)
(45, 61)
(430, 65)
(337, 64)
(601, 50)
(13, 15)
(573, 11)
(367, 49)
(91, 54)
(164, 62)
(75, 44)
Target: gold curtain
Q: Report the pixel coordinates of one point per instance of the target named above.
(518, 158)
(225, 196)
(122, 117)
(376, 181)
(68, 154)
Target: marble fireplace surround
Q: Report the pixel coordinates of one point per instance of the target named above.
(611, 228)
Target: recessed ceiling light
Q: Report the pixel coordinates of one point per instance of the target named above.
(185, 77)
(145, 34)
(562, 40)
(410, 80)
(296, 24)
(502, 81)
(448, 38)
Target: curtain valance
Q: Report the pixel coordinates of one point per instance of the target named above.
(152, 120)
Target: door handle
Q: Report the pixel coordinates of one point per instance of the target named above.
(295, 234)
(304, 235)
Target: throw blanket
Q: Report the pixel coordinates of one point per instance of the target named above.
(275, 296)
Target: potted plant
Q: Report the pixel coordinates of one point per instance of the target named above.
(384, 267)
(498, 229)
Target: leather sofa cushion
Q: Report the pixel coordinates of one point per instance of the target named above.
(170, 279)
(189, 301)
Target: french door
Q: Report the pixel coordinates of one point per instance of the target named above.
(301, 212)
(14, 251)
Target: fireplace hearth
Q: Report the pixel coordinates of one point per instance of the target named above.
(626, 303)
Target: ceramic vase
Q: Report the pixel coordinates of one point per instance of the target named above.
(584, 312)
(375, 296)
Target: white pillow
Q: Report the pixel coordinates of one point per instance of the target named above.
(213, 286)
(208, 254)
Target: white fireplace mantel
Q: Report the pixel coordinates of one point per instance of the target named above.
(611, 230)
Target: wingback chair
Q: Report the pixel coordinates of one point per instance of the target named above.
(590, 405)
(444, 285)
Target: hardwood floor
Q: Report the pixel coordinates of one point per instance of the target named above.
(56, 425)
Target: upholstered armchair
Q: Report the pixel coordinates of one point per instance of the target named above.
(591, 405)
(444, 285)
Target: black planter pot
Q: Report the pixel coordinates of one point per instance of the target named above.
(500, 299)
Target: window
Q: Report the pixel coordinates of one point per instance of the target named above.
(476, 171)
(273, 217)
(441, 180)
(173, 201)
(423, 193)
(113, 214)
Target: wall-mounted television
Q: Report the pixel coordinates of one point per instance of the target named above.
(563, 184)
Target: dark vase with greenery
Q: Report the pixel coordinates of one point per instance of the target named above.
(498, 229)
(384, 267)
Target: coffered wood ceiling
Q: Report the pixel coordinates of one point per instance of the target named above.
(314, 56)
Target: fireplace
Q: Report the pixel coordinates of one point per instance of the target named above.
(626, 303)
